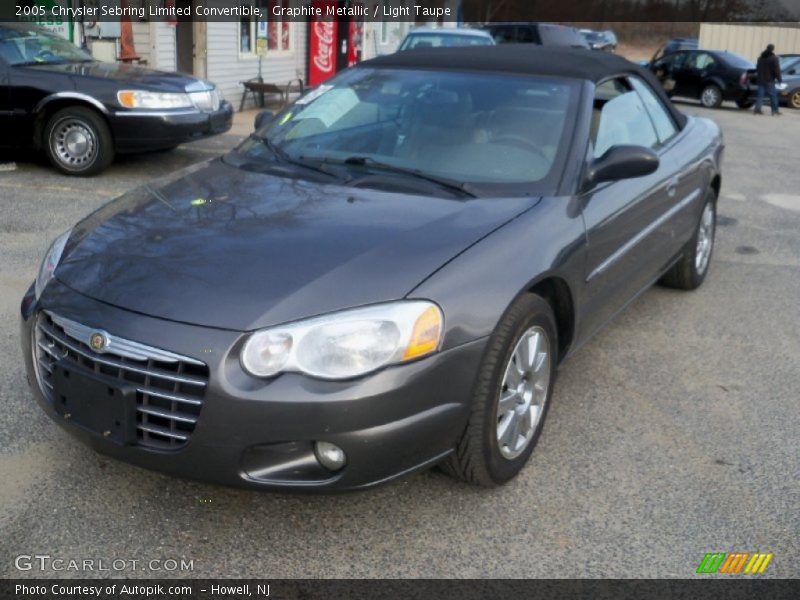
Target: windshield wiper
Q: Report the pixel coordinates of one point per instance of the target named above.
(288, 158)
(450, 184)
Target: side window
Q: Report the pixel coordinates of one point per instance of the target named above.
(700, 61)
(525, 35)
(665, 126)
(620, 118)
(680, 60)
(665, 63)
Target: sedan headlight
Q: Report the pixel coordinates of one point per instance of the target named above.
(50, 262)
(144, 99)
(348, 343)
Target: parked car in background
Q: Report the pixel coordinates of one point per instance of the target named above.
(445, 37)
(710, 76)
(81, 112)
(383, 277)
(790, 72)
(611, 38)
(597, 40)
(676, 44)
(543, 34)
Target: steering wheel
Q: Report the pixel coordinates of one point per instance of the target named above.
(519, 141)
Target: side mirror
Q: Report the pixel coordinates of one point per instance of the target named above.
(621, 162)
(262, 118)
(792, 72)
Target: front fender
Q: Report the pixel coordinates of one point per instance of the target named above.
(475, 288)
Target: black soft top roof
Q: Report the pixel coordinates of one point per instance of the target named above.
(528, 59)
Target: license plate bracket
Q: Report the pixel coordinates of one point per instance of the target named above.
(95, 402)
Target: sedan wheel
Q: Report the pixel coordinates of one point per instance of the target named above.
(794, 100)
(511, 396)
(78, 141)
(711, 96)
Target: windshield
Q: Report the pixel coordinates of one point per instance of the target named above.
(33, 47)
(476, 128)
(593, 36)
(787, 62)
(443, 40)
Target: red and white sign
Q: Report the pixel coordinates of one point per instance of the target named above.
(322, 45)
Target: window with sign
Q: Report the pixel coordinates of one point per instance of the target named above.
(270, 34)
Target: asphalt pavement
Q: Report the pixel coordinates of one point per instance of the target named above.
(673, 433)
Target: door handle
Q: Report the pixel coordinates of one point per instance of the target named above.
(672, 187)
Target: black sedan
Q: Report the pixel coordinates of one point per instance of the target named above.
(382, 278)
(710, 76)
(80, 111)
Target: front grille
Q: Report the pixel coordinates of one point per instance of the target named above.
(169, 387)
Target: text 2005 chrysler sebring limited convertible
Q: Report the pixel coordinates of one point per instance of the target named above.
(382, 278)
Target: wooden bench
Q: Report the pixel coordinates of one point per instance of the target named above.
(259, 89)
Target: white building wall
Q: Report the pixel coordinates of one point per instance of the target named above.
(750, 40)
(165, 47)
(227, 67)
(383, 37)
(141, 40)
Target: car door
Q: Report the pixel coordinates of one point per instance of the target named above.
(666, 68)
(624, 220)
(686, 75)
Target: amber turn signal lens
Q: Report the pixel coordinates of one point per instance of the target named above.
(426, 334)
(127, 99)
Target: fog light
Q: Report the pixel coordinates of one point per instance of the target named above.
(330, 455)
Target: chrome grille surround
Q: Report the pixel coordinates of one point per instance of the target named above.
(169, 387)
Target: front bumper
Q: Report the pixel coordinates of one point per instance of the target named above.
(139, 131)
(259, 434)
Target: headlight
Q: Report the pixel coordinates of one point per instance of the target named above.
(50, 262)
(348, 343)
(143, 99)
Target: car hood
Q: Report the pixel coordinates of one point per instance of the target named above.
(122, 73)
(223, 247)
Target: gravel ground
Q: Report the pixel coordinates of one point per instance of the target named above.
(673, 433)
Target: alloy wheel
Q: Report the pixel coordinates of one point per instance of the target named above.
(705, 239)
(523, 392)
(710, 97)
(794, 100)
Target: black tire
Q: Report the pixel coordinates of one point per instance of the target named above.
(711, 96)
(477, 458)
(685, 274)
(745, 104)
(93, 153)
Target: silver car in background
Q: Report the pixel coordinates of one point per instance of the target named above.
(437, 37)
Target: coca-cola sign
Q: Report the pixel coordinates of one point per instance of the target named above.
(323, 57)
(322, 40)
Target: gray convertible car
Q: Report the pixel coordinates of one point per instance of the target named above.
(384, 277)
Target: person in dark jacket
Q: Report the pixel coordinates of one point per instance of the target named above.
(768, 70)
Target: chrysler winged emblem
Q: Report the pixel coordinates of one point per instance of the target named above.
(98, 341)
